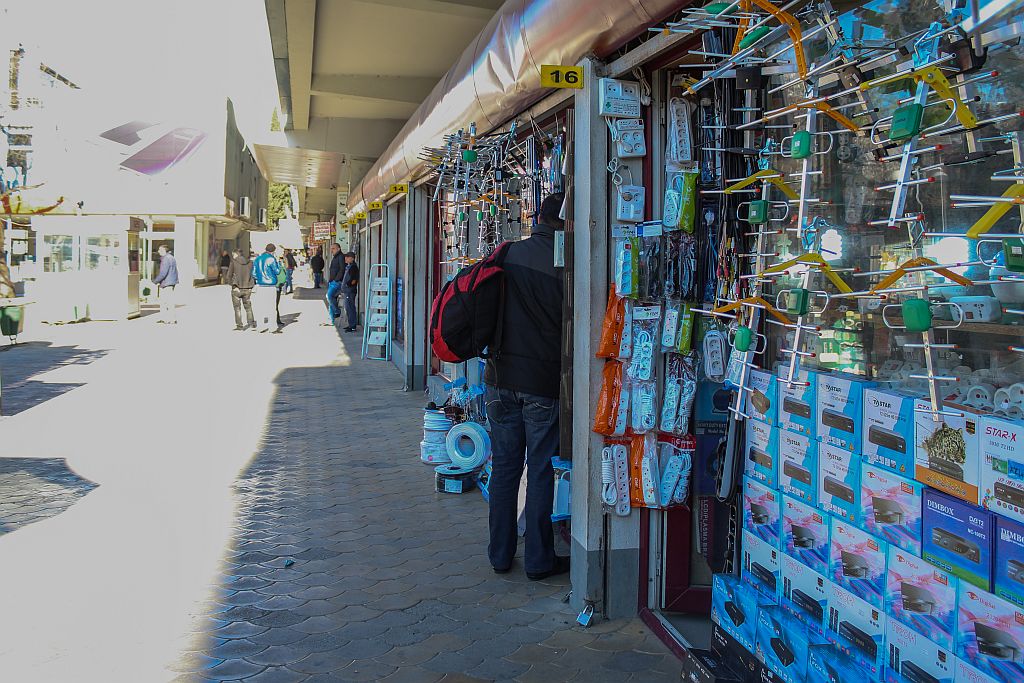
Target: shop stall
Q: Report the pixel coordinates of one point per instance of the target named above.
(794, 333)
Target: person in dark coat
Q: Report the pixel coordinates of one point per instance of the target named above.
(349, 287)
(239, 276)
(316, 264)
(522, 390)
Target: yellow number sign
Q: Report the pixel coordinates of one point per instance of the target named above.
(361, 216)
(399, 188)
(554, 76)
(376, 206)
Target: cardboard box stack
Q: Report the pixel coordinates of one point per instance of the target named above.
(878, 544)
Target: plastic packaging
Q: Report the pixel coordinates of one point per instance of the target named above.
(680, 265)
(627, 266)
(650, 282)
(644, 471)
(610, 345)
(680, 392)
(643, 407)
(608, 399)
(645, 340)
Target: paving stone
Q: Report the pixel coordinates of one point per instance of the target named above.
(362, 670)
(232, 669)
(234, 649)
(632, 661)
(414, 674)
(277, 674)
(322, 662)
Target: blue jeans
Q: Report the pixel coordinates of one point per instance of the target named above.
(350, 308)
(524, 431)
(318, 279)
(288, 289)
(333, 289)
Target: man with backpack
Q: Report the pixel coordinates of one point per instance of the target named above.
(265, 270)
(523, 379)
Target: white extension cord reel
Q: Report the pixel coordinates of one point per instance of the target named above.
(434, 447)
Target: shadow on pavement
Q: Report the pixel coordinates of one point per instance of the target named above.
(20, 364)
(32, 490)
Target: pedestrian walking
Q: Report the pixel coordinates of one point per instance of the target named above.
(282, 281)
(349, 287)
(167, 282)
(290, 265)
(239, 276)
(316, 264)
(336, 272)
(265, 270)
(225, 263)
(522, 400)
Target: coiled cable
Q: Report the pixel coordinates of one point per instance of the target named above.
(608, 492)
(468, 445)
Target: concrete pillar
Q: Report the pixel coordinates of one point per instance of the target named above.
(185, 250)
(605, 548)
(417, 286)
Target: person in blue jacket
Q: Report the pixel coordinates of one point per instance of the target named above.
(265, 270)
(167, 282)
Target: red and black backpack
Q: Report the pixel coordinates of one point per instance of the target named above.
(466, 317)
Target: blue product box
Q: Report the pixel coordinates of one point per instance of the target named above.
(965, 673)
(858, 628)
(797, 403)
(761, 566)
(762, 399)
(839, 482)
(798, 466)
(1001, 454)
(710, 427)
(922, 596)
(783, 643)
(805, 531)
(888, 437)
(857, 561)
(840, 410)
(990, 633)
(734, 607)
(912, 657)
(762, 513)
(1008, 573)
(829, 664)
(958, 537)
(804, 593)
(891, 507)
(762, 451)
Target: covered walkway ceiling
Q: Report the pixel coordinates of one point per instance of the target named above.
(349, 74)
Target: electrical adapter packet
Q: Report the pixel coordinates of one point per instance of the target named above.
(912, 657)
(990, 634)
(857, 562)
(958, 537)
(783, 642)
(922, 596)
(798, 466)
(762, 453)
(1008, 573)
(762, 511)
(946, 454)
(805, 534)
(804, 593)
(891, 507)
(762, 399)
(1001, 454)
(888, 436)
(840, 410)
(761, 566)
(857, 627)
(839, 482)
(796, 402)
(734, 607)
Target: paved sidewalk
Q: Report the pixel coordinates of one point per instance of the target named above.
(282, 530)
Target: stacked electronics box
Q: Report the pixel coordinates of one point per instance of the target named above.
(878, 543)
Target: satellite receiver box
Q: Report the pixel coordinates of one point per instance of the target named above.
(763, 398)
(761, 450)
(1001, 458)
(857, 627)
(891, 507)
(804, 593)
(760, 566)
(888, 437)
(734, 607)
(857, 561)
(805, 533)
(798, 466)
(946, 451)
(839, 482)
(1009, 561)
(922, 596)
(912, 657)
(761, 511)
(990, 634)
(958, 537)
(797, 401)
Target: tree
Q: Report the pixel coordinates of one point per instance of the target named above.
(280, 197)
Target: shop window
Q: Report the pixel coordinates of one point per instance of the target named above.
(102, 252)
(60, 253)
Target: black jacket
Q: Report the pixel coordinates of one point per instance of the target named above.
(530, 354)
(350, 277)
(240, 272)
(317, 263)
(337, 268)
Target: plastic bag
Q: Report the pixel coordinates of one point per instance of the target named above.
(644, 472)
(608, 399)
(680, 392)
(610, 345)
(643, 407)
(680, 200)
(650, 283)
(627, 266)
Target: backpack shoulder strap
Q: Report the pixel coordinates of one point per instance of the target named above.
(498, 259)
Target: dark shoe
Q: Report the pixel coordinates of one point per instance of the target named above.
(349, 329)
(502, 571)
(238, 328)
(561, 566)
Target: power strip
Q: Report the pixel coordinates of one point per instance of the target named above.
(619, 98)
(629, 204)
(629, 138)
